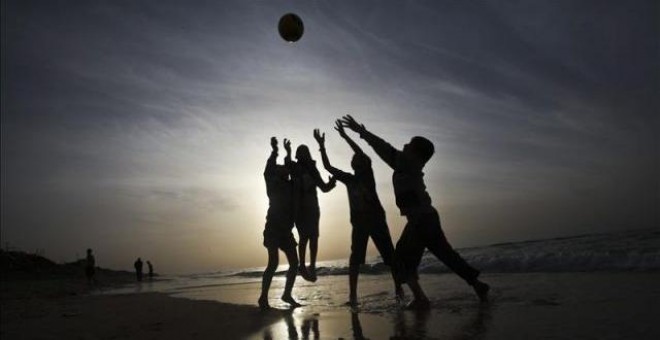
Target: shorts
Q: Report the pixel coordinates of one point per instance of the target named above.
(89, 272)
(379, 233)
(278, 234)
(307, 223)
(280, 240)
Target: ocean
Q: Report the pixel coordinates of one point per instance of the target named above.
(586, 286)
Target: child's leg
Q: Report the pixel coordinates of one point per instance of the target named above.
(313, 226)
(313, 250)
(407, 256)
(380, 234)
(439, 246)
(273, 261)
(353, 273)
(302, 249)
(421, 301)
(290, 276)
(359, 240)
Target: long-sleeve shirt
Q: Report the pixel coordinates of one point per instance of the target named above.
(408, 178)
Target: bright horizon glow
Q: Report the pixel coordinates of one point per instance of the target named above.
(143, 130)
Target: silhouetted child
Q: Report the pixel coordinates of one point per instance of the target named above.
(138, 268)
(279, 223)
(90, 267)
(367, 214)
(306, 178)
(151, 270)
(423, 229)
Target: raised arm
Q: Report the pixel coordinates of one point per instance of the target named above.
(383, 149)
(325, 187)
(287, 160)
(320, 138)
(340, 128)
(287, 147)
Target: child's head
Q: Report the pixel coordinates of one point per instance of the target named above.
(421, 148)
(360, 162)
(302, 153)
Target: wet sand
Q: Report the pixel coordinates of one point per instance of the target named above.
(524, 306)
(130, 316)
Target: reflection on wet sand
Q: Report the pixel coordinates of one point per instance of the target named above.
(415, 331)
(309, 328)
(477, 327)
(402, 324)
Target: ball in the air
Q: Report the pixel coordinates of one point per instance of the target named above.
(290, 27)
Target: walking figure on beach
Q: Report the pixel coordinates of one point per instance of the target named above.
(423, 228)
(138, 268)
(306, 178)
(90, 267)
(151, 270)
(367, 213)
(279, 223)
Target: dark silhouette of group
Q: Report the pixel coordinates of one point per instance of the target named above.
(293, 201)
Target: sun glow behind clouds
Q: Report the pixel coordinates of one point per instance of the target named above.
(156, 127)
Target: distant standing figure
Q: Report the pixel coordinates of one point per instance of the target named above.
(151, 270)
(138, 269)
(306, 178)
(90, 265)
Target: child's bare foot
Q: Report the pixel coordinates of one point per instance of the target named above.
(289, 299)
(302, 270)
(482, 290)
(418, 304)
(263, 303)
(312, 273)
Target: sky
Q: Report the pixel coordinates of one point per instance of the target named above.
(141, 128)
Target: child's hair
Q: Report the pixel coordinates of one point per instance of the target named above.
(422, 147)
(360, 161)
(303, 154)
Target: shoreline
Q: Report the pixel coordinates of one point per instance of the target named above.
(530, 305)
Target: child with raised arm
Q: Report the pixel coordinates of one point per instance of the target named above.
(279, 222)
(367, 214)
(306, 178)
(423, 229)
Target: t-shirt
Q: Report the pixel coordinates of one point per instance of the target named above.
(362, 196)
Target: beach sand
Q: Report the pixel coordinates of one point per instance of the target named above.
(130, 316)
(524, 306)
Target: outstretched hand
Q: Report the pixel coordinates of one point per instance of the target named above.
(287, 145)
(320, 138)
(340, 128)
(350, 122)
(273, 143)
